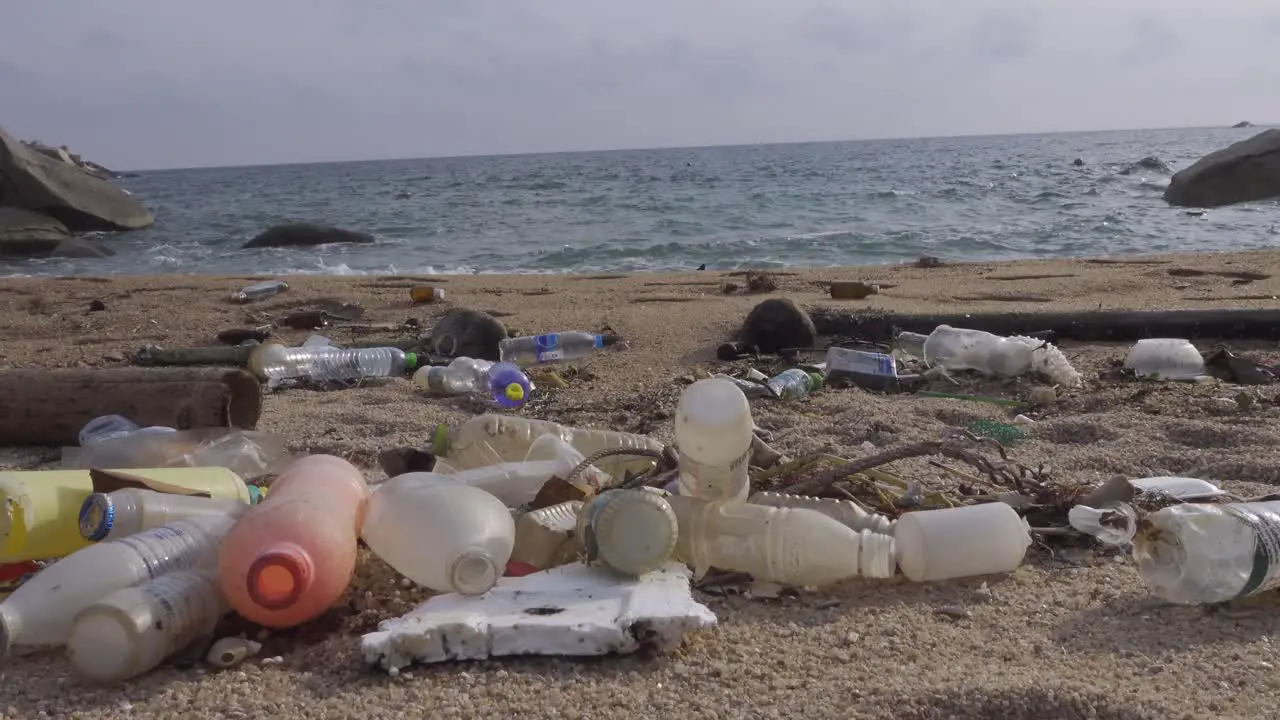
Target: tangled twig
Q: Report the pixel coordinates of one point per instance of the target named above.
(662, 456)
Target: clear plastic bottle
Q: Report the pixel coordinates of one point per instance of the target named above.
(845, 512)
(1199, 553)
(132, 630)
(259, 291)
(549, 348)
(41, 611)
(120, 513)
(631, 531)
(114, 427)
(441, 535)
(714, 430)
(515, 484)
(492, 438)
(504, 382)
(794, 384)
(790, 546)
(290, 558)
(959, 542)
(322, 363)
(965, 349)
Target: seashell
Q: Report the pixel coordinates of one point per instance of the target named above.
(231, 651)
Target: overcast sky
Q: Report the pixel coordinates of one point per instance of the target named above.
(177, 83)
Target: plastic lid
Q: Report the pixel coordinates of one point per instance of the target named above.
(410, 360)
(102, 644)
(514, 392)
(815, 381)
(277, 579)
(440, 440)
(257, 493)
(634, 531)
(473, 573)
(97, 517)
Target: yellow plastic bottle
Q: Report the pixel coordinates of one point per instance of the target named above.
(40, 509)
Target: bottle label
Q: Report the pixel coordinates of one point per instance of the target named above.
(714, 482)
(1264, 518)
(547, 347)
(183, 608)
(858, 361)
(163, 549)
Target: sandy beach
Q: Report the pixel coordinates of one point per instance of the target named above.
(1069, 634)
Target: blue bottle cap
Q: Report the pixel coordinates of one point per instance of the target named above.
(97, 516)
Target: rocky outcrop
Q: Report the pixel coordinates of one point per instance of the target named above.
(1242, 124)
(1241, 172)
(25, 233)
(305, 235)
(1150, 163)
(80, 200)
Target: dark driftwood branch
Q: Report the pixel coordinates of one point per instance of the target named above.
(1099, 326)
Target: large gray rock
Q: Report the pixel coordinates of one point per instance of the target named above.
(81, 201)
(468, 333)
(778, 324)
(305, 235)
(24, 233)
(1242, 172)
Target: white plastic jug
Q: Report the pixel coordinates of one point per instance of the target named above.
(713, 434)
(960, 542)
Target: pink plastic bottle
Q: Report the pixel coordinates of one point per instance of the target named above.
(289, 558)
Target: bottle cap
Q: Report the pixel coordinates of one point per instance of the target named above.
(474, 573)
(440, 440)
(278, 578)
(514, 392)
(815, 381)
(256, 493)
(410, 360)
(631, 531)
(97, 516)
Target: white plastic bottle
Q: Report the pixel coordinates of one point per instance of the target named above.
(631, 531)
(491, 438)
(120, 513)
(960, 542)
(132, 630)
(713, 434)
(1199, 553)
(444, 536)
(965, 349)
(844, 512)
(41, 610)
(790, 546)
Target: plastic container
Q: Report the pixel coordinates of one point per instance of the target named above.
(41, 611)
(420, 294)
(132, 630)
(549, 348)
(441, 535)
(965, 349)
(515, 484)
(40, 509)
(1165, 359)
(713, 430)
(107, 427)
(960, 542)
(117, 514)
(324, 363)
(289, 559)
(910, 344)
(259, 291)
(491, 438)
(1196, 553)
(869, 370)
(547, 537)
(790, 546)
(552, 448)
(844, 512)
(794, 384)
(631, 531)
(247, 453)
(504, 382)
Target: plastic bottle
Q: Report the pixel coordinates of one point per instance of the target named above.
(790, 546)
(323, 363)
(259, 291)
(1199, 553)
(631, 531)
(40, 509)
(425, 294)
(289, 558)
(844, 512)
(490, 438)
(135, 629)
(549, 348)
(965, 349)
(515, 484)
(960, 542)
(117, 514)
(1165, 359)
(713, 433)
(443, 536)
(547, 537)
(41, 611)
(794, 384)
(504, 382)
(107, 427)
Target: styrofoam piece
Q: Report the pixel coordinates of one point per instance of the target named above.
(570, 610)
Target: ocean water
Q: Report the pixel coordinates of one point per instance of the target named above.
(768, 206)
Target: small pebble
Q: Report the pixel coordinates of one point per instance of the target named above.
(955, 612)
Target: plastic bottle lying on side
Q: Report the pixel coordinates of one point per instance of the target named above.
(551, 347)
(844, 512)
(631, 531)
(290, 558)
(960, 542)
(486, 439)
(41, 611)
(714, 431)
(108, 427)
(1198, 553)
(132, 630)
(789, 546)
(120, 513)
(259, 291)
(443, 536)
(322, 363)
(965, 349)
(504, 382)
(794, 384)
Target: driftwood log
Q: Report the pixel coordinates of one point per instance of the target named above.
(49, 407)
(1096, 326)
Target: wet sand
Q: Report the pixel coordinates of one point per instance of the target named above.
(1070, 634)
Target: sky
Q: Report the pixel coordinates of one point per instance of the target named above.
(176, 83)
